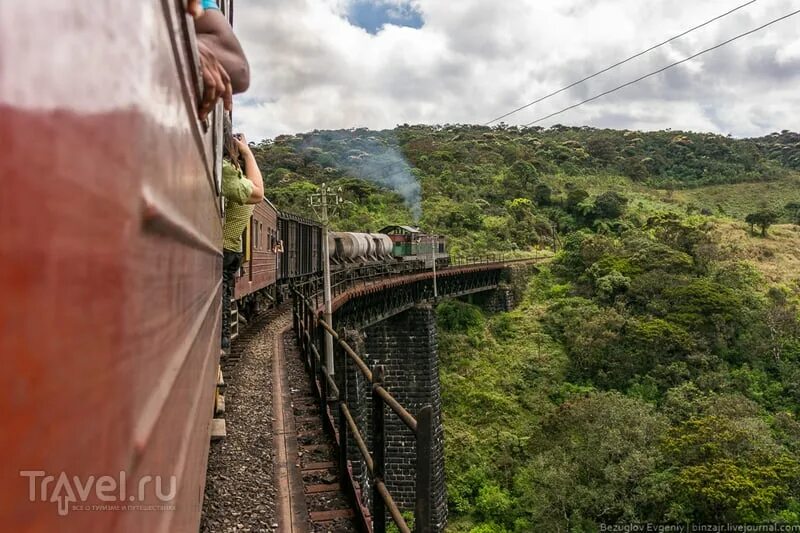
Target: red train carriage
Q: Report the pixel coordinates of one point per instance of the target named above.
(110, 268)
(259, 272)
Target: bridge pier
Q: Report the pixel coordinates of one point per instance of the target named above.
(496, 300)
(391, 323)
(406, 346)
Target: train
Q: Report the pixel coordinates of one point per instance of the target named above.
(281, 249)
(111, 266)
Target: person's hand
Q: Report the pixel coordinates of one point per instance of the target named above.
(216, 82)
(194, 8)
(241, 143)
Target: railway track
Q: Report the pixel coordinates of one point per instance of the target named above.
(310, 498)
(276, 469)
(239, 490)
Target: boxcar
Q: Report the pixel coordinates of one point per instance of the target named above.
(302, 247)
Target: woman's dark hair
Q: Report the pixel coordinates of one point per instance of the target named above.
(229, 149)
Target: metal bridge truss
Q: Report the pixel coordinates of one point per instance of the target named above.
(363, 298)
(366, 304)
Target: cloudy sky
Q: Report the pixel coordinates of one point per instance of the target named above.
(329, 64)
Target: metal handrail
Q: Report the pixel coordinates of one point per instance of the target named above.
(345, 279)
(398, 519)
(331, 384)
(362, 446)
(310, 329)
(306, 318)
(401, 413)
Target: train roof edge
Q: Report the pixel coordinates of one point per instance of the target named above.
(297, 218)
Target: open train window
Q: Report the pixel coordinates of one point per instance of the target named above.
(187, 57)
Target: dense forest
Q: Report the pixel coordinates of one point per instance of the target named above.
(509, 188)
(652, 369)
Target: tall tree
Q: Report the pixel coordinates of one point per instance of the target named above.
(610, 205)
(763, 219)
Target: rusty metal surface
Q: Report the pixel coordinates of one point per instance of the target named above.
(292, 514)
(109, 262)
(308, 329)
(382, 284)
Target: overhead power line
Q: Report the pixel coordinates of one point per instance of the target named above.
(615, 65)
(659, 71)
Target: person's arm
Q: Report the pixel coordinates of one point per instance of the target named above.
(216, 82)
(214, 31)
(194, 8)
(251, 170)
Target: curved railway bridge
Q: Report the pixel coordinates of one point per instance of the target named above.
(381, 401)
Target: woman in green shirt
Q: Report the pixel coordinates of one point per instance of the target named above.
(241, 190)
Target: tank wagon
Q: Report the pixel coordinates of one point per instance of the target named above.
(398, 243)
(349, 247)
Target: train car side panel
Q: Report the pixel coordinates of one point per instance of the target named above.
(110, 262)
(262, 269)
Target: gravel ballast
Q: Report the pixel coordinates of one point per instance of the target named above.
(240, 493)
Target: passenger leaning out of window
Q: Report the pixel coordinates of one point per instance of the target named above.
(242, 188)
(223, 64)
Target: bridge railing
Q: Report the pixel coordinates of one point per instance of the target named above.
(345, 278)
(310, 330)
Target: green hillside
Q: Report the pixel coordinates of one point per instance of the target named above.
(650, 373)
(512, 189)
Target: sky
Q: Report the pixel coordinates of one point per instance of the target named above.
(331, 64)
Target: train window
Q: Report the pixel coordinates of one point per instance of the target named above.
(254, 234)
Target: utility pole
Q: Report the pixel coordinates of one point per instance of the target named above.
(432, 241)
(433, 253)
(324, 200)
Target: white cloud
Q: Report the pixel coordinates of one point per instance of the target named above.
(789, 53)
(474, 60)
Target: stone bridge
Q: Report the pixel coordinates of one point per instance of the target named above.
(390, 321)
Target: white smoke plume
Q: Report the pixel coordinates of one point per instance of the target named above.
(371, 156)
